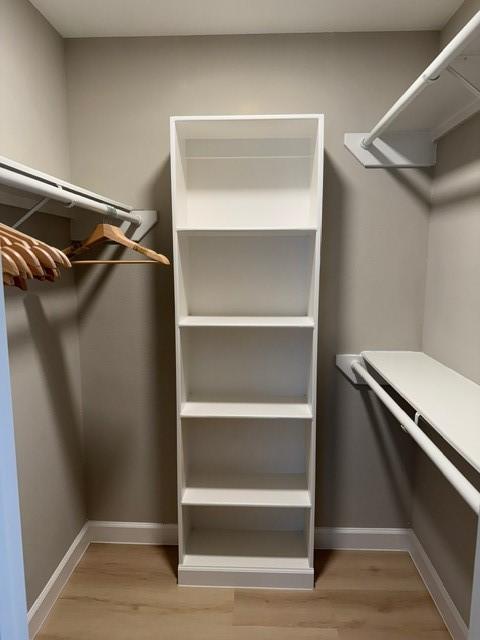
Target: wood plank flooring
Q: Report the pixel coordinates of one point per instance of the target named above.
(129, 592)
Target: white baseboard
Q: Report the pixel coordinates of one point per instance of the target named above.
(362, 539)
(45, 601)
(354, 539)
(447, 609)
(133, 532)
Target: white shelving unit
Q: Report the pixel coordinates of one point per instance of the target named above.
(247, 205)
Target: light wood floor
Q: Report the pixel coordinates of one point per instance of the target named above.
(129, 592)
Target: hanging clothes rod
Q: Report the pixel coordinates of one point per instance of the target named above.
(451, 473)
(24, 178)
(453, 49)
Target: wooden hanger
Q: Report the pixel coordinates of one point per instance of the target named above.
(24, 257)
(30, 258)
(108, 233)
(17, 236)
(9, 265)
(19, 261)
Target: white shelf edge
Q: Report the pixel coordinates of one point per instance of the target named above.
(249, 157)
(293, 410)
(248, 490)
(247, 230)
(10, 164)
(305, 322)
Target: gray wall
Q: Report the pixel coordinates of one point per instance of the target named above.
(42, 329)
(452, 320)
(450, 334)
(121, 93)
(45, 372)
(466, 11)
(33, 104)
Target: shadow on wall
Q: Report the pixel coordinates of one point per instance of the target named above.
(120, 303)
(350, 420)
(164, 348)
(57, 373)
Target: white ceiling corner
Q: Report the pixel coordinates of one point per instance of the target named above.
(109, 18)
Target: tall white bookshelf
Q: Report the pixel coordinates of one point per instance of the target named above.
(247, 210)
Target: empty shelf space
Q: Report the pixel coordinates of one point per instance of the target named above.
(246, 321)
(448, 401)
(246, 273)
(287, 409)
(272, 490)
(246, 549)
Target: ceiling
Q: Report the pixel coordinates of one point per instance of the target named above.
(107, 18)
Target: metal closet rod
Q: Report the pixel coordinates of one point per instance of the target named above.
(453, 49)
(450, 471)
(19, 179)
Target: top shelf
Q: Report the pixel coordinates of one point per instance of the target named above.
(448, 401)
(247, 231)
(24, 179)
(441, 98)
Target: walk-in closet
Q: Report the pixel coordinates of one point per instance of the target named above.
(239, 321)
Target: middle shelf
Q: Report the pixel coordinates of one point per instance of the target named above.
(305, 322)
(247, 490)
(246, 409)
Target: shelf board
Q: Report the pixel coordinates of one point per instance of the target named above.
(448, 401)
(305, 322)
(246, 549)
(301, 410)
(253, 157)
(247, 231)
(266, 490)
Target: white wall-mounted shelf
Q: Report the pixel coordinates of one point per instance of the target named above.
(25, 187)
(441, 98)
(247, 194)
(448, 401)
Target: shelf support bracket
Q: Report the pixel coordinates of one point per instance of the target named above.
(30, 212)
(345, 362)
(401, 149)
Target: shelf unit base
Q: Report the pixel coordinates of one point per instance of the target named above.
(245, 578)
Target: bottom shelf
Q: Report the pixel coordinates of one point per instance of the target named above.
(233, 558)
(253, 549)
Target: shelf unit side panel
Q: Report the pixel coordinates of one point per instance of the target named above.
(314, 312)
(178, 188)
